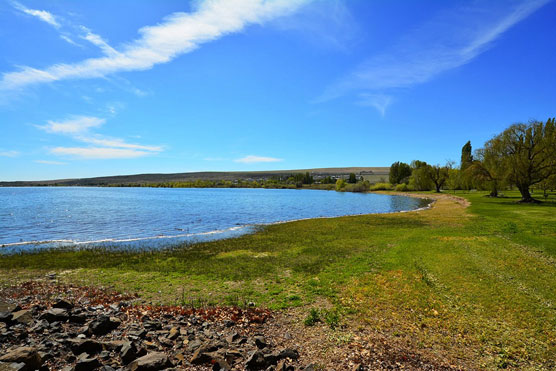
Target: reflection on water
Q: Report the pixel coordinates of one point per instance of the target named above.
(35, 217)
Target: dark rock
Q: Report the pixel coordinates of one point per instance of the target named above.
(221, 365)
(77, 318)
(87, 364)
(260, 342)
(103, 325)
(229, 323)
(88, 346)
(204, 353)
(288, 353)
(128, 353)
(22, 316)
(141, 333)
(6, 306)
(60, 303)
(152, 361)
(28, 355)
(255, 361)
(55, 315)
(6, 317)
(194, 344)
(174, 333)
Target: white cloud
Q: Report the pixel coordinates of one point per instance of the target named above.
(99, 152)
(43, 15)
(256, 159)
(448, 41)
(378, 101)
(75, 125)
(179, 33)
(117, 143)
(9, 153)
(48, 162)
(98, 41)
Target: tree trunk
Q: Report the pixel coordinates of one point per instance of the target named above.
(525, 194)
(437, 187)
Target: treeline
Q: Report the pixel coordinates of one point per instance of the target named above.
(522, 156)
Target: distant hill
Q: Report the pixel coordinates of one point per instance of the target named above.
(374, 174)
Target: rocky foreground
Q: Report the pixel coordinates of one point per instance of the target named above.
(51, 327)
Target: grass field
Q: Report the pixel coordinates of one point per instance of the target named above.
(474, 284)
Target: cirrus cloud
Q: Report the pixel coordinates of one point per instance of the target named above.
(251, 159)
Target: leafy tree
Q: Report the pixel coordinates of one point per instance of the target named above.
(489, 167)
(420, 180)
(529, 153)
(352, 178)
(438, 175)
(399, 173)
(341, 184)
(466, 156)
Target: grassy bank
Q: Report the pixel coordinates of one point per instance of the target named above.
(476, 285)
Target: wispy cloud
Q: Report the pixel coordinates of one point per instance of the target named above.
(9, 153)
(450, 40)
(48, 162)
(79, 129)
(179, 33)
(256, 159)
(43, 15)
(379, 101)
(74, 125)
(99, 152)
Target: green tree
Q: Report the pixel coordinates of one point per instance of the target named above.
(529, 153)
(466, 156)
(399, 173)
(341, 184)
(420, 180)
(488, 167)
(438, 175)
(352, 178)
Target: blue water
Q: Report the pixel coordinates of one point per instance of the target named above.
(35, 217)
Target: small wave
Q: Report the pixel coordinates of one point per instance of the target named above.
(122, 240)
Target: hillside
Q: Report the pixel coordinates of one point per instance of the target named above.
(372, 174)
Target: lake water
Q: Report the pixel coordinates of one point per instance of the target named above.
(35, 217)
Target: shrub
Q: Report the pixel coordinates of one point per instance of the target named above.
(340, 184)
(402, 188)
(382, 187)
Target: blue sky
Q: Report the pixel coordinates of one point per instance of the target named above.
(122, 87)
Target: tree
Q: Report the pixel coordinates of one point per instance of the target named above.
(466, 156)
(352, 178)
(420, 180)
(488, 167)
(529, 153)
(340, 184)
(399, 173)
(438, 175)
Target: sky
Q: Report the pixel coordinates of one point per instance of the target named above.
(98, 88)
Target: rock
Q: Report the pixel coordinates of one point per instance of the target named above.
(28, 355)
(229, 323)
(174, 333)
(255, 361)
(77, 318)
(204, 353)
(152, 361)
(194, 344)
(22, 316)
(221, 365)
(14, 366)
(232, 338)
(128, 353)
(88, 346)
(87, 364)
(260, 342)
(6, 317)
(61, 303)
(55, 315)
(288, 353)
(6, 306)
(310, 367)
(103, 325)
(359, 367)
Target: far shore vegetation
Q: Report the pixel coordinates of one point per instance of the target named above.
(471, 280)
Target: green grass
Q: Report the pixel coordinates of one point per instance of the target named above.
(476, 286)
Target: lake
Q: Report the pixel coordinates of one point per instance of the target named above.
(44, 217)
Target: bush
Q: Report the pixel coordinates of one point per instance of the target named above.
(340, 184)
(358, 187)
(381, 187)
(403, 188)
